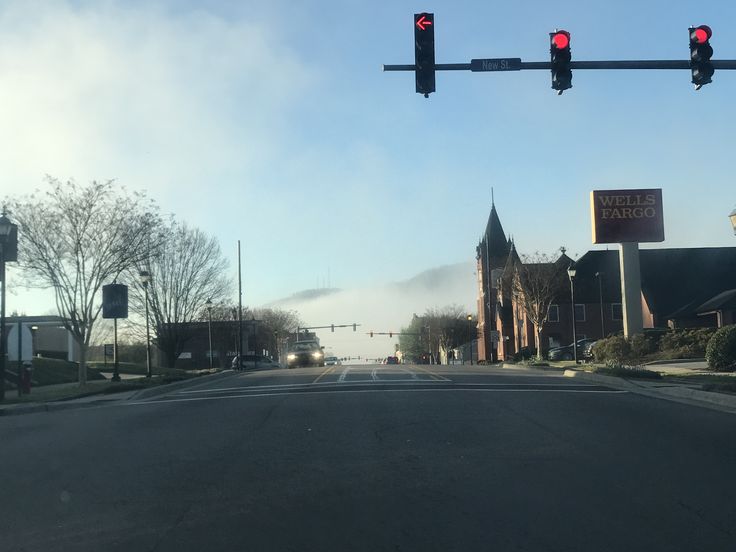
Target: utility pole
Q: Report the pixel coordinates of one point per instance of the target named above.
(240, 312)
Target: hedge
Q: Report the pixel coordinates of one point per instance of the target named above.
(721, 351)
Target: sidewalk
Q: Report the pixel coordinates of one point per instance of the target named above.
(99, 397)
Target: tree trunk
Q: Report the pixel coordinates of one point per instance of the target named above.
(83, 350)
(538, 341)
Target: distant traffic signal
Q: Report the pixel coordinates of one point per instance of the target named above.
(390, 334)
(355, 327)
(700, 53)
(424, 53)
(332, 326)
(371, 333)
(560, 57)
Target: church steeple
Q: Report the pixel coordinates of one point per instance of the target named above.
(494, 236)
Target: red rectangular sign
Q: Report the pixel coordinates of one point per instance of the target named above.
(621, 216)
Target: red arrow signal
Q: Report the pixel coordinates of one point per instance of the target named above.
(422, 21)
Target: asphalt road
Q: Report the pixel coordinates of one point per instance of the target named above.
(372, 458)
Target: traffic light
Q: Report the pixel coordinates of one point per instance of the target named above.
(700, 53)
(355, 327)
(332, 326)
(390, 334)
(560, 55)
(424, 53)
(371, 333)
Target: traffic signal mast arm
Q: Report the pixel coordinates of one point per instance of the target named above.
(728, 64)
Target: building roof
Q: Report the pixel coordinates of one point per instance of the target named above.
(722, 301)
(674, 281)
(494, 237)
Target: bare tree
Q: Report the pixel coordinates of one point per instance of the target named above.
(187, 270)
(76, 238)
(537, 280)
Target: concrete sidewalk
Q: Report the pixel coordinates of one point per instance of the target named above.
(97, 399)
(678, 392)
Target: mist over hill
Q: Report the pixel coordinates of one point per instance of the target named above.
(381, 308)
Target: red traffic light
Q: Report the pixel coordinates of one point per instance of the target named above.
(561, 40)
(701, 34)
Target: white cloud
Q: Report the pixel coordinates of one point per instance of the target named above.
(159, 100)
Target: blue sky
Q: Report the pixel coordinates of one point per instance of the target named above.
(271, 122)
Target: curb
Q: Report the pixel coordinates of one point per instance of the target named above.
(546, 368)
(70, 404)
(52, 406)
(686, 395)
(191, 382)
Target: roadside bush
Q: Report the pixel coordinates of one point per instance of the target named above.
(615, 348)
(619, 370)
(721, 350)
(642, 345)
(686, 343)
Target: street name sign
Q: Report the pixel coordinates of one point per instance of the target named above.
(627, 216)
(500, 64)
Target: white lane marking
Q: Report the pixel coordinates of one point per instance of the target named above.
(368, 381)
(341, 391)
(412, 374)
(344, 374)
(374, 377)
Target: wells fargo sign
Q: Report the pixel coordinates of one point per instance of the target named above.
(621, 216)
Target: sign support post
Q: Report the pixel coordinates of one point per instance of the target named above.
(631, 289)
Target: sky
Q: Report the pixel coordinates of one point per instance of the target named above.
(272, 123)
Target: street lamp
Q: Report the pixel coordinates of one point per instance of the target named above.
(145, 278)
(571, 272)
(208, 304)
(732, 216)
(470, 320)
(8, 252)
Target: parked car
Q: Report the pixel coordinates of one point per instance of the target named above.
(254, 361)
(305, 353)
(588, 351)
(566, 352)
(332, 361)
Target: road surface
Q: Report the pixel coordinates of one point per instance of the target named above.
(372, 458)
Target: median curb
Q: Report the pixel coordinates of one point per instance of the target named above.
(677, 393)
(546, 368)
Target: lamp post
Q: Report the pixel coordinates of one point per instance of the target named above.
(470, 322)
(571, 272)
(599, 275)
(8, 252)
(208, 304)
(145, 278)
(732, 216)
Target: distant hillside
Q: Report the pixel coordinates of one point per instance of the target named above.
(440, 278)
(304, 296)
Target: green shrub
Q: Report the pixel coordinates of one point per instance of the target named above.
(612, 348)
(721, 351)
(686, 343)
(642, 345)
(616, 369)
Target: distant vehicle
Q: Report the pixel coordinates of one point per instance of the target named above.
(566, 352)
(332, 361)
(305, 353)
(254, 361)
(392, 360)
